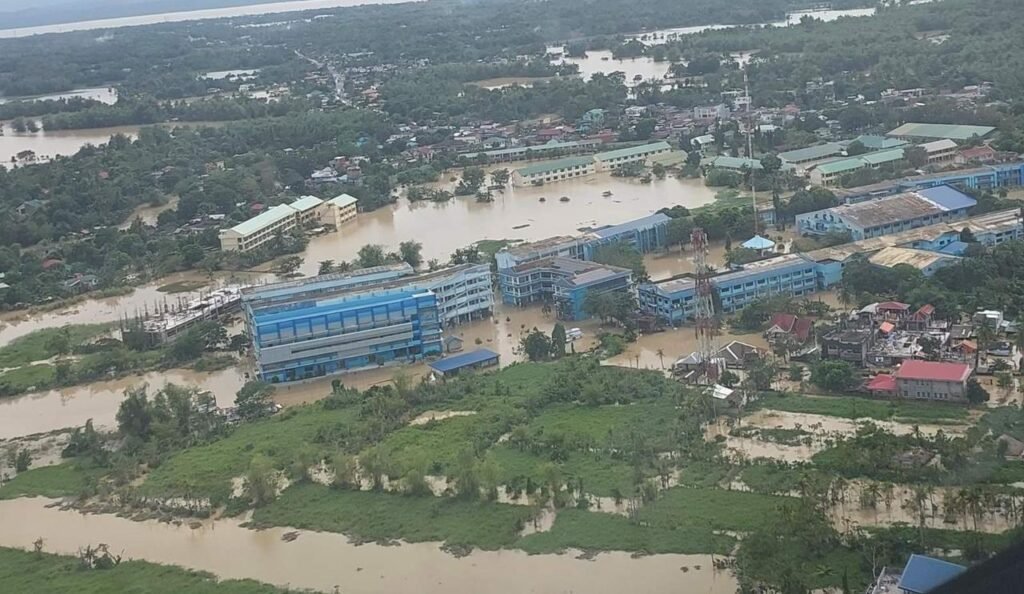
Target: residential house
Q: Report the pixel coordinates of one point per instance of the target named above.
(930, 380)
(785, 328)
(851, 345)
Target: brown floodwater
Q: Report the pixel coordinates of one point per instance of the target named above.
(601, 61)
(71, 407)
(325, 561)
(516, 213)
(47, 145)
(823, 425)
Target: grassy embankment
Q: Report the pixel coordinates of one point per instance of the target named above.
(593, 444)
(44, 573)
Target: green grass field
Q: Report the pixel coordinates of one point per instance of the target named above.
(849, 407)
(61, 480)
(38, 345)
(208, 469)
(386, 516)
(599, 424)
(21, 571)
(684, 507)
(601, 474)
(596, 531)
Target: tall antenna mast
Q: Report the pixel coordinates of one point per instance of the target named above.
(705, 308)
(750, 146)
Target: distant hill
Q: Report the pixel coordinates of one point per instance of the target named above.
(15, 13)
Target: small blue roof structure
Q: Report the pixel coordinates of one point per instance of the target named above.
(923, 574)
(955, 248)
(759, 243)
(470, 359)
(948, 198)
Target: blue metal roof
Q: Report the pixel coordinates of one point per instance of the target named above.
(956, 248)
(464, 360)
(948, 198)
(647, 222)
(759, 243)
(923, 574)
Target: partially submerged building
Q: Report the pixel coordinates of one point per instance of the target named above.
(564, 282)
(376, 316)
(888, 215)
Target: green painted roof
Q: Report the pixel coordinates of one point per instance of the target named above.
(343, 200)
(951, 131)
(548, 166)
(842, 165)
(726, 162)
(633, 151)
(883, 156)
(305, 203)
(811, 153)
(264, 219)
(874, 142)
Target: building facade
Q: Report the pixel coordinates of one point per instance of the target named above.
(564, 282)
(325, 336)
(784, 275)
(931, 380)
(553, 171)
(340, 322)
(611, 160)
(340, 210)
(888, 215)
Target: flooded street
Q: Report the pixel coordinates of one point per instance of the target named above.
(324, 561)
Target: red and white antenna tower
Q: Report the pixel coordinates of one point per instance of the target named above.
(705, 311)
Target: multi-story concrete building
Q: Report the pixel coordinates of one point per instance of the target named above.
(791, 274)
(251, 234)
(564, 282)
(645, 235)
(888, 215)
(610, 160)
(830, 173)
(562, 246)
(547, 150)
(552, 171)
(673, 300)
(931, 380)
(340, 322)
(340, 210)
(1001, 175)
(940, 152)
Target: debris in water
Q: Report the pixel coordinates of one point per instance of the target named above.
(290, 536)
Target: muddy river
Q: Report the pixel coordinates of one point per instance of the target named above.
(328, 562)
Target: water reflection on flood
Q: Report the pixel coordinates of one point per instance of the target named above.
(516, 213)
(324, 561)
(72, 407)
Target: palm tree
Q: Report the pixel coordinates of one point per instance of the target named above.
(985, 337)
(661, 357)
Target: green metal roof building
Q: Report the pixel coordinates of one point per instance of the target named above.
(812, 153)
(550, 171)
(958, 132)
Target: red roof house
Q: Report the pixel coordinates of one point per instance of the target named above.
(882, 384)
(931, 380)
(789, 325)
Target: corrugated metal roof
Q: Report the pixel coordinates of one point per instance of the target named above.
(914, 369)
(641, 223)
(264, 219)
(343, 200)
(463, 360)
(952, 131)
(633, 151)
(947, 197)
(727, 162)
(811, 153)
(923, 574)
(549, 166)
(306, 203)
(842, 165)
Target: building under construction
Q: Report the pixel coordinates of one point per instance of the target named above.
(169, 321)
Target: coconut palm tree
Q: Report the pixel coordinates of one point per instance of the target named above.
(661, 357)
